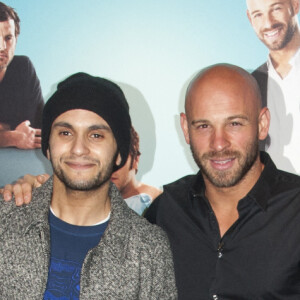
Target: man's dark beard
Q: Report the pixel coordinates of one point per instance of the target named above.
(93, 184)
(291, 29)
(218, 178)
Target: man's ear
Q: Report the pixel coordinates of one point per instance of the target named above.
(48, 154)
(119, 159)
(249, 17)
(184, 127)
(263, 123)
(295, 4)
(135, 163)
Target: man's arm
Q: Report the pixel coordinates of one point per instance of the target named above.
(23, 137)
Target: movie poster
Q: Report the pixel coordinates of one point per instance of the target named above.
(151, 49)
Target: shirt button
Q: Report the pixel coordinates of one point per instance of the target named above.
(215, 297)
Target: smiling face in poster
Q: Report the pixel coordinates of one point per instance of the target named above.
(8, 42)
(274, 22)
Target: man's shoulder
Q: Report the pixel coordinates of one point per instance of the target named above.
(286, 181)
(17, 217)
(20, 61)
(12, 216)
(174, 196)
(261, 75)
(261, 69)
(179, 189)
(20, 68)
(183, 182)
(276, 184)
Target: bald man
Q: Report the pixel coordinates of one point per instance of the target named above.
(233, 227)
(276, 25)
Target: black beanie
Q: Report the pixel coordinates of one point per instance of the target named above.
(101, 96)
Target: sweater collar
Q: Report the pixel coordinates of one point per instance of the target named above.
(116, 234)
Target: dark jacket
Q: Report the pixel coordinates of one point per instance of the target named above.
(261, 76)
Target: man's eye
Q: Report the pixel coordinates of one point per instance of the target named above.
(236, 124)
(277, 8)
(257, 15)
(65, 133)
(203, 126)
(97, 136)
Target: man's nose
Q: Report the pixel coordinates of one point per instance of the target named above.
(219, 140)
(79, 146)
(269, 21)
(2, 44)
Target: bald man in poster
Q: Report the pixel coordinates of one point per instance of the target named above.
(276, 25)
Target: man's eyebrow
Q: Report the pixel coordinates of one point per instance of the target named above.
(273, 4)
(92, 127)
(62, 124)
(194, 122)
(100, 127)
(254, 12)
(238, 117)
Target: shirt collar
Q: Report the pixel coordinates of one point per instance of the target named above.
(294, 61)
(261, 191)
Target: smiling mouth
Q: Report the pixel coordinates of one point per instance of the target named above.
(222, 164)
(79, 166)
(272, 33)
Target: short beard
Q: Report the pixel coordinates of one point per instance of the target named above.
(230, 178)
(291, 29)
(84, 185)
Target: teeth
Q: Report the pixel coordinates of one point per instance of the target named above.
(271, 34)
(222, 162)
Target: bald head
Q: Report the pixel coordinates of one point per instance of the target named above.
(224, 79)
(250, 3)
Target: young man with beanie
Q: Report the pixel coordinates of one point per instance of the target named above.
(78, 238)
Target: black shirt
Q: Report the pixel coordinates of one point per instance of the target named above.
(20, 94)
(257, 258)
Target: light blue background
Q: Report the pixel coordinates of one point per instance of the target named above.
(150, 48)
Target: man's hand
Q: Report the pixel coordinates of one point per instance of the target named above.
(22, 189)
(29, 138)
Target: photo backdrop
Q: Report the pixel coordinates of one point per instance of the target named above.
(150, 48)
